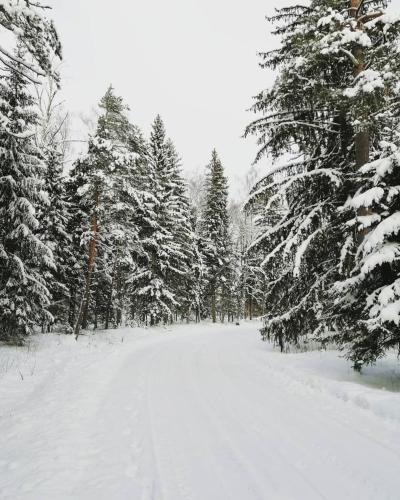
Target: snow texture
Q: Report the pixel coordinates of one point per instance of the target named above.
(194, 413)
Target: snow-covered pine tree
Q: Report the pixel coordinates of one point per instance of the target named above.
(110, 198)
(193, 298)
(250, 276)
(197, 279)
(230, 295)
(367, 307)
(27, 25)
(185, 282)
(216, 241)
(306, 118)
(76, 228)
(164, 225)
(24, 258)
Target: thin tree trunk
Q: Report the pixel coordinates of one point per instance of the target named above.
(109, 300)
(72, 307)
(213, 305)
(362, 139)
(96, 310)
(84, 307)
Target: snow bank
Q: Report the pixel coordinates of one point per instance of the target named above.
(376, 389)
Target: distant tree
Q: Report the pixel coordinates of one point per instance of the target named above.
(217, 245)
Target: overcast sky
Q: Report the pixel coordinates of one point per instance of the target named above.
(193, 61)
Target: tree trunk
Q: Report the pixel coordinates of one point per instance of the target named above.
(109, 300)
(362, 140)
(72, 307)
(84, 307)
(213, 305)
(362, 137)
(96, 310)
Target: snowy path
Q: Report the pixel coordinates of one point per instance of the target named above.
(205, 414)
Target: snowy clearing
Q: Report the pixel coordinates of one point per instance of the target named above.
(194, 413)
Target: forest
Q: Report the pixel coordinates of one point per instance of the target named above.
(119, 237)
(166, 334)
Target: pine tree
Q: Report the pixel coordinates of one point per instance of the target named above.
(217, 245)
(24, 21)
(186, 281)
(24, 258)
(366, 309)
(338, 64)
(250, 277)
(305, 116)
(164, 231)
(192, 304)
(110, 198)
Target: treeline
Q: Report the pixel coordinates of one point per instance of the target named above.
(330, 217)
(116, 240)
(121, 239)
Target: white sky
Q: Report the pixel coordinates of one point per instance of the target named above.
(193, 61)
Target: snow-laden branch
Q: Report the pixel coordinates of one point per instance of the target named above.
(301, 251)
(351, 56)
(23, 73)
(18, 60)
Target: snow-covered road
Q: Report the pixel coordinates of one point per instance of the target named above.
(206, 413)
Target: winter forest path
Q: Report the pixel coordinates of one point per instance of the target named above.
(198, 413)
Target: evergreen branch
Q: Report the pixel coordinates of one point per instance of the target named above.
(23, 73)
(351, 56)
(18, 60)
(370, 17)
(303, 124)
(38, 5)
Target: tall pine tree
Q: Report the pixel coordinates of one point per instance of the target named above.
(217, 245)
(156, 286)
(109, 198)
(24, 258)
(305, 117)
(366, 308)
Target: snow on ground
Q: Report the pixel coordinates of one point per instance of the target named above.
(193, 413)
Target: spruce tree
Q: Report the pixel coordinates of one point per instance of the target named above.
(192, 304)
(217, 245)
(337, 72)
(186, 281)
(164, 225)
(366, 309)
(305, 117)
(110, 199)
(250, 276)
(24, 258)
(26, 25)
